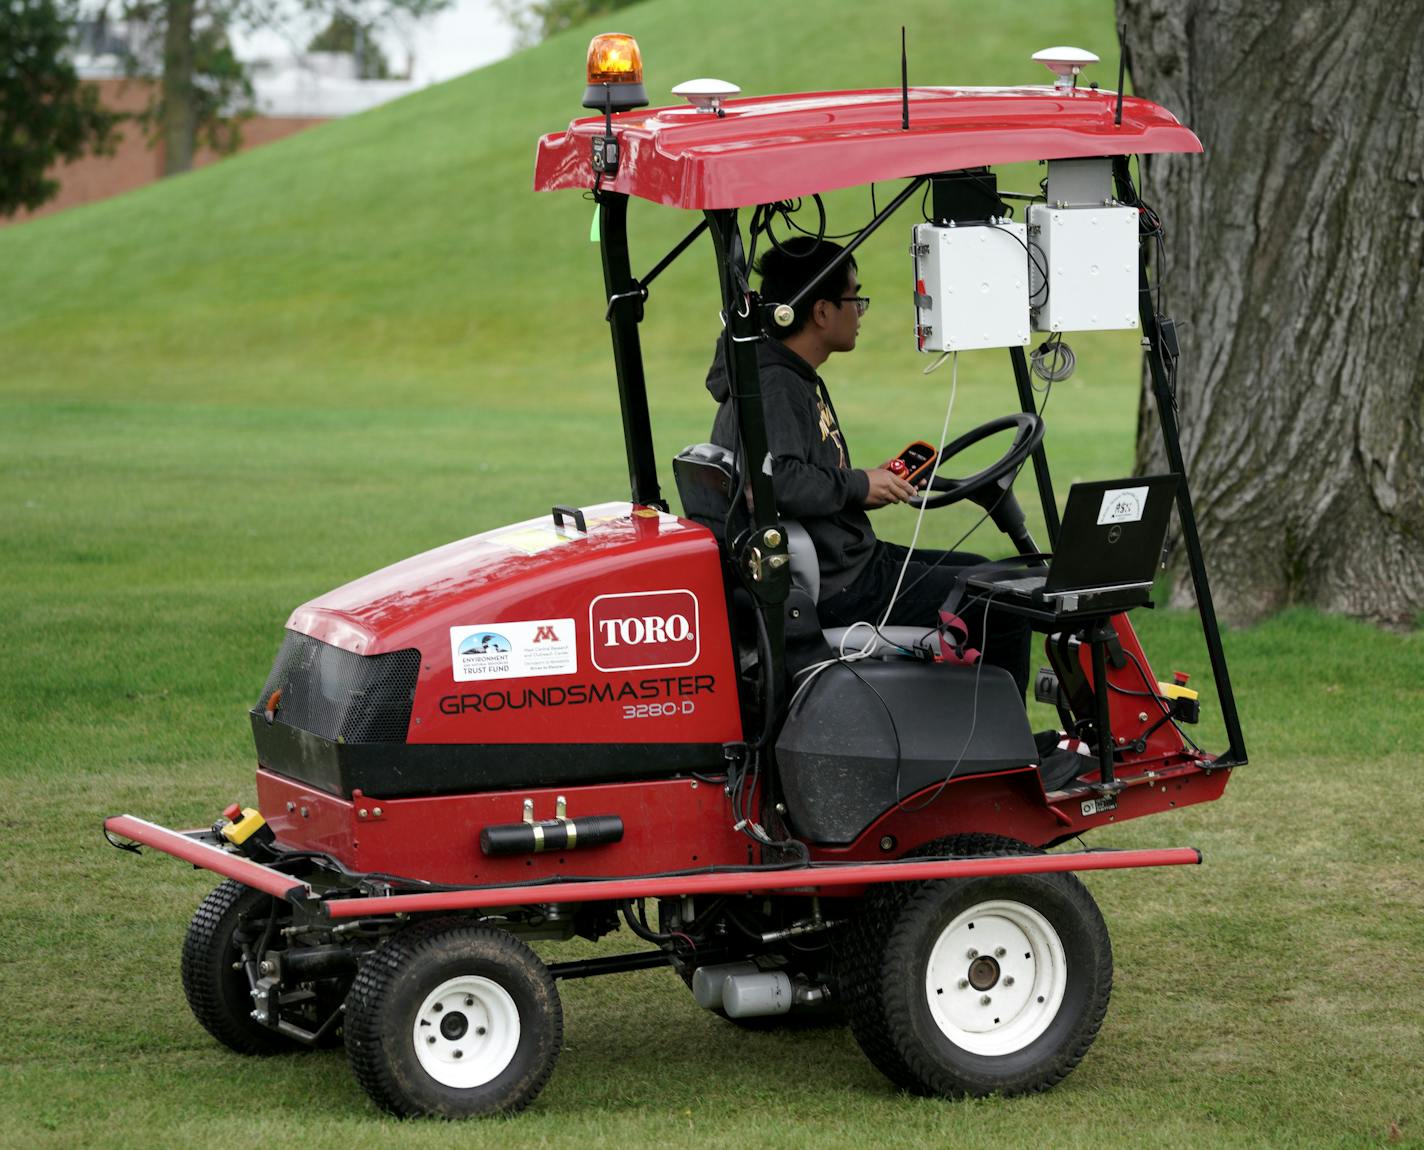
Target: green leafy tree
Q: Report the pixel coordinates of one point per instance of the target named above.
(536, 20)
(346, 34)
(46, 113)
(205, 91)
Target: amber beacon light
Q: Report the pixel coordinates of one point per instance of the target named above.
(615, 74)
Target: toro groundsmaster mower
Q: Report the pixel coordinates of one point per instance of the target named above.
(615, 716)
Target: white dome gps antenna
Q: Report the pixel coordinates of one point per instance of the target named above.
(706, 95)
(1065, 63)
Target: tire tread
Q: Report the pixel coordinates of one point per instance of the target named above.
(869, 970)
(206, 968)
(374, 1066)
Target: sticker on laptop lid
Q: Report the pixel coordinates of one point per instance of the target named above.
(1122, 505)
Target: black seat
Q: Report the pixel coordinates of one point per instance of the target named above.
(706, 476)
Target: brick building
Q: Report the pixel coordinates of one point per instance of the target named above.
(289, 96)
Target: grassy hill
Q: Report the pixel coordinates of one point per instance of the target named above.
(401, 255)
(233, 390)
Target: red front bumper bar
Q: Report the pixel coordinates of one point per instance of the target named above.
(812, 879)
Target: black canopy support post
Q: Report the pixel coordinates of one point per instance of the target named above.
(1171, 441)
(682, 246)
(762, 557)
(1040, 454)
(861, 236)
(625, 312)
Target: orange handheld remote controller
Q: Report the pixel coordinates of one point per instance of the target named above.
(914, 463)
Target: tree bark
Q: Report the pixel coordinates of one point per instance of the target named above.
(1294, 254)
(180, 116)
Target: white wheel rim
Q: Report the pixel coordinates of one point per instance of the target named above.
(996, 978)
(466, 1032)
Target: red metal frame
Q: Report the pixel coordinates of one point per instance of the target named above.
(1126, 705)
(1013, 804)
(807, 880)
(684, 824)
(201, 854)
(669, 825)
(802, 880)
(781, 147)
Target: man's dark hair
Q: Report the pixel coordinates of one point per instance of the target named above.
(785, 270)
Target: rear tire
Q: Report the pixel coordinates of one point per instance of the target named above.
(452, 1020)
(219, 995)
(1016, 1015)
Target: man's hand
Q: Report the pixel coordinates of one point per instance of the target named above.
(886, 488)
(898, 467)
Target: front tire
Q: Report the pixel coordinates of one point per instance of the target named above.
(986, 985)
(214, 982)
(452, 1020)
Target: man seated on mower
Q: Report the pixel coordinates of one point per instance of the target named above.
(812, 473)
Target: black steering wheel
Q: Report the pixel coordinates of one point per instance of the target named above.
(991, 488)
(987, 485)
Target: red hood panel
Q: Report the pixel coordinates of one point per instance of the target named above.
(537, 634)
(387, 609)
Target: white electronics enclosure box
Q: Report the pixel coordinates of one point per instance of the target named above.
(1090, 255)
(971, 286)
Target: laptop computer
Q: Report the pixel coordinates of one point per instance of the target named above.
(1109, 544)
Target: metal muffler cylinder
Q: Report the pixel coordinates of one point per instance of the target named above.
(707, 981)
(742, 990)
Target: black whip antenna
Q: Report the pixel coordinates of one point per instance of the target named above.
(1121, 71)
(904, 84)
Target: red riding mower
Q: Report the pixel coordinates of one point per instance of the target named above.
(615, 716)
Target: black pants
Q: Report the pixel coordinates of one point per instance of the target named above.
(1002, 637)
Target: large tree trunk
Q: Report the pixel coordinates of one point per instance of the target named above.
(180, 117)
(1294, 253)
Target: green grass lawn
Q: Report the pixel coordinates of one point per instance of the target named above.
(240, 388)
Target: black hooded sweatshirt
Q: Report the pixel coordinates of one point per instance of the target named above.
(811, 472)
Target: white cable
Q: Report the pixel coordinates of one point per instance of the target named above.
(842, 656)
(812, 672)
(929, 486)
(850, 631)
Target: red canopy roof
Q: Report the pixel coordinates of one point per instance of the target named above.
(781, 147)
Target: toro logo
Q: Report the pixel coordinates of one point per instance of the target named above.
(635, 632)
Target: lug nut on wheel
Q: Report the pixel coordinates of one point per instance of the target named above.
(963, 984)
(985, 1000)
(972, 953)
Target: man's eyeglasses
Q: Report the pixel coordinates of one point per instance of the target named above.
(862, 302)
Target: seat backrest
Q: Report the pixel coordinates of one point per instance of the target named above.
(805, 564)
(705, 474)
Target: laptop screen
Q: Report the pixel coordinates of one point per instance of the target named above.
(1112, 532)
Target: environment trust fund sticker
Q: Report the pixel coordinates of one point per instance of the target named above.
(519, 649)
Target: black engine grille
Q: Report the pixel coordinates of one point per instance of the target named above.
(342, 696)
